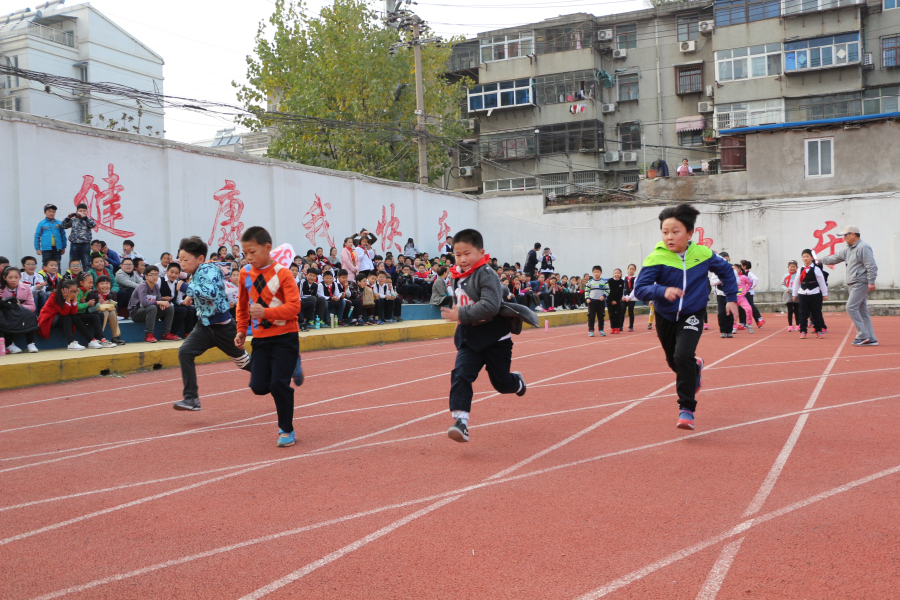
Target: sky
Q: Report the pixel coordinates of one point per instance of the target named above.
(205, 43)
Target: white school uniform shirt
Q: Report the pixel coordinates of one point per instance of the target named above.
(342, 291)
(31, 280)
(383, 289)
(754, 282)
(365, 258)
(823, 287)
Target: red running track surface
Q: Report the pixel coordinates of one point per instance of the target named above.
(583, 488)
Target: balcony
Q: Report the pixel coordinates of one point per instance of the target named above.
(9, 103)
(464, 60)
(49, 34)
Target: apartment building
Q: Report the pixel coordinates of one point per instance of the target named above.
(82, 43)
(583, 103)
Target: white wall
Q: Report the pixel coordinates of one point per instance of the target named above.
(616, 236)
(168, 191)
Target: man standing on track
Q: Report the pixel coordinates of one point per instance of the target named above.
(861, 273)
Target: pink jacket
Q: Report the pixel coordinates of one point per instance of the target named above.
(746, 284)
(349, 262)
(23, 295)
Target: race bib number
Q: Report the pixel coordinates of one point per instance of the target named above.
(283, 255)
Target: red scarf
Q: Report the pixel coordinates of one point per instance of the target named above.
(457, 274)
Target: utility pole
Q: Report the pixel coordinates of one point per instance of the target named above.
(399, 18)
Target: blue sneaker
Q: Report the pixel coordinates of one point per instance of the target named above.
(685, 420)
(298, 373)
(286, 439)
(699, 374)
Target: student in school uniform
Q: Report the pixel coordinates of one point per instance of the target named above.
(810, 289)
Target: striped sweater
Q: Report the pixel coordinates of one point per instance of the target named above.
(275, 289)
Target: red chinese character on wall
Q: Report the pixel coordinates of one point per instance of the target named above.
(228, 217)
(833, 241)
(443, 230)
(388, 229)
(708, 242)
(315, 224)
(104, 205)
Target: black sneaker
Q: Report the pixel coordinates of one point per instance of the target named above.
(459, 432)
(524, 387)
(187, 404)
(118, 341)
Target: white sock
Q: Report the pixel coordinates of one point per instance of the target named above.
(461, 415)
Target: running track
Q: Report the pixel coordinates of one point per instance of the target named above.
(582, 489)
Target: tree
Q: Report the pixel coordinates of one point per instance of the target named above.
(338, 67)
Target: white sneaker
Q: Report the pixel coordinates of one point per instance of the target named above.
(75, 346)
(32, 348)
(107, 344)
(94, 345)
(13, 349)
(538, 309)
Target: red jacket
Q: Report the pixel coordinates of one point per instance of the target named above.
(52, 309)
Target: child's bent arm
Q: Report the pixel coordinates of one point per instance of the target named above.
(291, 306)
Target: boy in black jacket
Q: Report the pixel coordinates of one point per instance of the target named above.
(483, 336)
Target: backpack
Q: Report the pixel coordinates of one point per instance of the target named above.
(15, 318)
(368, 296)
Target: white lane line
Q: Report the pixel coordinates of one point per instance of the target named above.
(717, 574)
(280, 583)
(115, 412)
(737, 530)
(432, 498)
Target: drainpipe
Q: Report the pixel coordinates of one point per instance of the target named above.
(658, 85)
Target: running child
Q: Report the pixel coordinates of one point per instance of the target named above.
(674, 276)
(744, 285)
(754, 283)
(787, 287)
(269, 303)
(484, 335)
(595, 292)
(810, 289)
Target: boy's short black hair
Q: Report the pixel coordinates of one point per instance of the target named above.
(137, 261)
(469, 236)
(806, 251)
(25, 259)
(405, 266)
(310, 252)
(72, 261)
(360, 277)
(82, 205)
(312, 270)
(97, 255)
(151, 269)
(342, 272)
(98, 242)
(128, 243)
(724, 253)
(326, 273)
(4, 260)
(537, 245)
(174, 265)
(380, 273)
(597, 268)
(102, 279)
(163, 255)
(746, 264)
(683, 213)
(131, 260)
(258, 235)
(194, 245)
(47, 261)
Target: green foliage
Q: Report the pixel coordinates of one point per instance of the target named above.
(337, 67)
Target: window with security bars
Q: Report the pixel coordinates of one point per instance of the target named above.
(735, 12)
(510, 185)
(587, 181)
(565, 87)
(562, 39)
(880, 100)
(555, 184)
(689, 79)
(580, 136)
(833, 106)
(628, 87)
(626, 36)
(467, 155)
(744, 114)
(890, 52)
(630, 137)
(510, 145)
(688, 28)
(690, 138)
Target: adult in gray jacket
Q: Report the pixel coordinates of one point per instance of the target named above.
(861, 273)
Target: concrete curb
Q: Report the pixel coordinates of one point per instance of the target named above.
(55, 366)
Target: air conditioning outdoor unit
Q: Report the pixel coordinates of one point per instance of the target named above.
(689, 46)
(706, 26)
(607, 108)
(704, 107)
(605, 35)
(470, 124)
(619, 53)
(611, 157)
(629, 156)
(710, 91)
(466, 171)
(867, 63)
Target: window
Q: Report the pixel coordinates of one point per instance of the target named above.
(689, 79)
(628, 86)
(501, 95)
(763, 60)
(824, 107)
(502, 47)
(13, 81)
(819, 158)
(570, 137)
(561, 39)
(690, 138)
(630, 136)
(509, 145)
(688, 28)
(799, 7)
(891, 4)
(880, 100)
(468, 155)
(768, 9)
(84, 110)
(820, 53)
(565, 87)
(735, 12)
(83, 73)
(555, 184)
(890, 48)
(626, 36)
(510, 185)
(749, 114)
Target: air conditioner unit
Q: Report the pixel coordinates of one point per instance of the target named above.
(867, 63)
(629, 156)
(605, 35)
(706, 26)
(688, 46)
(704, 107)
(710, 91)
(466, 171)
(470, 124)
(620, 53)
(608, 108)
(611, 157)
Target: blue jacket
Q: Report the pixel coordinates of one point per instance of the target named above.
(113, 259)
(207, 291)
(46, 230)
(664, 269)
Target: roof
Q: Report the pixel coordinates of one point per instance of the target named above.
(804, 124)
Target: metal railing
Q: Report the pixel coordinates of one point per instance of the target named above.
(462, 61)
(45, 33)
(8, 103)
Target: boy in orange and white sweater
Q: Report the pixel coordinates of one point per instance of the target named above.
(269, 302)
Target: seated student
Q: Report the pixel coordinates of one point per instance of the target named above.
(164, 260)
(367, 295)
(112, 259)
(139, 267)
(391, 304)
(98, 268)
(37, 284)
(128, 251)
(342, 292)
(14, 290)
(147, 306)
(170, 288)
(391, 269)
(440, 293)
(354, 316)
(50, 274)
(127, 281)
(61, 310)
(335, 303)
(75, 269)
(88, 299)
(407, 287)
(378, 307)
(425, 279)
(97, 248)
(4, 262)
(312, 299)
(106, 308)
